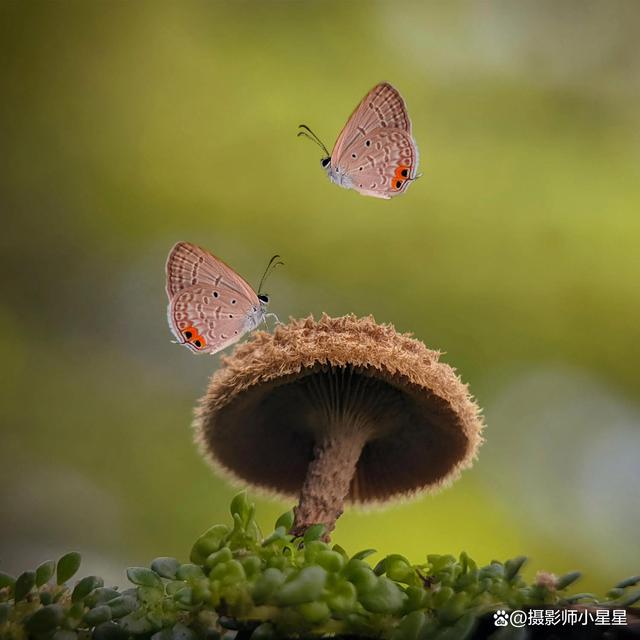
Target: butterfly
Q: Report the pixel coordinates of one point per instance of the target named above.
(375, 153)
(210, 305)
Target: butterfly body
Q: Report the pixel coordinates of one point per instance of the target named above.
(375, 154)
(336, 176)
(210, 305)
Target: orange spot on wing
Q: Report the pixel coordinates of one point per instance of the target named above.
(193, 337)
(403, 171)
(189, 333)
(400, 177)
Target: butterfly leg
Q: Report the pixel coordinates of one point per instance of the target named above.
(271, 315)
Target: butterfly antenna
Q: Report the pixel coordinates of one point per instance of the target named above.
(313, 137)
(273, 263)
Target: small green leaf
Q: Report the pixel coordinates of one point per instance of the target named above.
(265, 631)
(385, 597)
(342, 598)
(45, 620)
(109, 631)
(314, 532)
(251, 565)
(189, 572)
(101, 595)
(340, 550)
(224, 555)
(122, 605)
(409, 627)
(360, 574)
(229, 572)
(464, 561)
(253, 530)
(512, 567)
(150, 595)
(143, 577)
(45, 572)
(306, 586)
(417, 598)
(241, 506)
(438, 563)
(581, 596)
(567, 579)
(136, 625)
(237, 537)
(166, 567)
(75, 612)
(211, 540)
(365, 553)
(312, 549)
(381, 568)
(279, 534)
(6, 580)
(493, 570)
(454, 608)
(184, 596)
(67, 566)
(442, 596)
(24, 583)
(332, 561)
(285, 520)
(154, 616)
(98, 615)
(85, 586)
(266, 585)
(629, 600)
(314, 612)
(174, 586)
(397, 568)
(629, 582)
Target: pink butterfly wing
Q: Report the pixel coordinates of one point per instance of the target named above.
(383, 106)
(210, 305)
(188, 264)
(382, 164)
(207, 318)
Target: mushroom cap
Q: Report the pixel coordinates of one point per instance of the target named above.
(277, 394)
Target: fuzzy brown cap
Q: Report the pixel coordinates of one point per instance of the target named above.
(264, 410)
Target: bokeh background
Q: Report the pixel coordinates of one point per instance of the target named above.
(125, 127)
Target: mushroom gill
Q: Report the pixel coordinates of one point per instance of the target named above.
(335, 410)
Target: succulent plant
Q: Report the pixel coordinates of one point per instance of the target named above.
(241, 584)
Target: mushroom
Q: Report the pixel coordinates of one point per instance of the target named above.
(334, 410)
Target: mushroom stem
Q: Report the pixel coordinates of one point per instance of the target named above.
(328, 479)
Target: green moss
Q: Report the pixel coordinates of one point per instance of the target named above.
(239, 582)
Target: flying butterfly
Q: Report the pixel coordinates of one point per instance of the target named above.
(375, 153)
(210, 305)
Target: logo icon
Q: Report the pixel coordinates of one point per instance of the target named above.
(501, 618)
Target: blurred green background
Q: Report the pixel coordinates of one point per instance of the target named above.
(125, 127)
